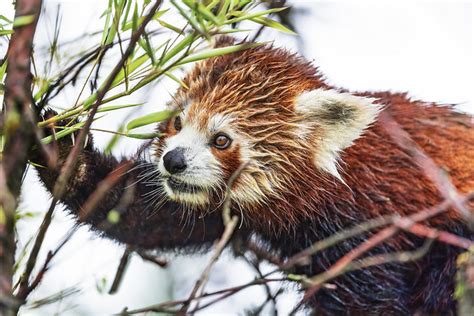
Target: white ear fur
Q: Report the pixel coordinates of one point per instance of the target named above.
(340, 117)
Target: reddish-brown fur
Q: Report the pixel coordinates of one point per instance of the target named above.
(258, 87)
(381, 178)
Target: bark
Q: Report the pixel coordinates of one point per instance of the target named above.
(18, 127)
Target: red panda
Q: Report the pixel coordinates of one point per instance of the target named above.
(316, 160)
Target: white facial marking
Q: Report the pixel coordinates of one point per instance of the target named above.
(220, 123)
(203, 170)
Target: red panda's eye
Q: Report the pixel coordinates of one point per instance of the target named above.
(222, 141)
(177, 123)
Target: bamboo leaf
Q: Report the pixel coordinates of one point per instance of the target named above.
(149, 119)
(129, 24)
(243, 3)
(66, 131)
(146, 45)
(3, 69)
(213, 3)
(273, 24)
(4, 18)
(44, 85)
(231, 31)
(135, 18)
(5, 32)
(249, 16)
(170, 26)
(203, 11)
(23, 20)
(191, 20)
(184, 43)
(143, 136)
(107, 13)
(176, 79)
(131, 67)
(218, 52)
(223, 9)
(117, 107)
(63, 133)
(125, 17)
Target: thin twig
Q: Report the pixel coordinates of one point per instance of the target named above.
(153, 259)
(120, 270)
(233, 290)
(229, 229)
(443, 236)
(230, 225)
(434, 173)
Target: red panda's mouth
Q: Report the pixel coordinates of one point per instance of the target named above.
(181, 186)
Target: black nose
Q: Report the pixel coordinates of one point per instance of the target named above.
(174, 161)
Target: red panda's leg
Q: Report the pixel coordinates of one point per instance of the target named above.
(134, 210)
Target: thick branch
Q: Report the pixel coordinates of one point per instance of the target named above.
(17, 121)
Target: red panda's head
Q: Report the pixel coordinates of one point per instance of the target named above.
(263, 108)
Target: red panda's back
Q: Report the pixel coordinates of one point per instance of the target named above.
(443, 134)
(379, 168)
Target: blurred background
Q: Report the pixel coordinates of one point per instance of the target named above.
(421, 47)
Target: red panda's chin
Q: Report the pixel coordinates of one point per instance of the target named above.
(185, 193)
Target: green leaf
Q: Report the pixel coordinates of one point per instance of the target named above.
(117, 107)
(170, 26)
(63, 133)
(176, 79)
(131, 67)
(202, 10)
(36, 165)
(135, 18)
(212, 4)
(243, 3)
(3, 69)
(243, 17)
(89, 101)
(231, 31)
(23, 20)
(129, 24)
(223, 9)
(44, 85)
(218, 52)
(146, 45)
(144, 135)
(4, 18)
(191, 20)
(184, 43)
(107, 13)
(5, 32)
(150, 118)
(273, 24)
(127, 11)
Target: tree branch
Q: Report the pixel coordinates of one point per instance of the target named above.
(17, 121)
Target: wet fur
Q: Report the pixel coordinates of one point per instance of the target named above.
(301, 204)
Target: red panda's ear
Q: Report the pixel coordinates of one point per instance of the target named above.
(222, 41)
(337, 119)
